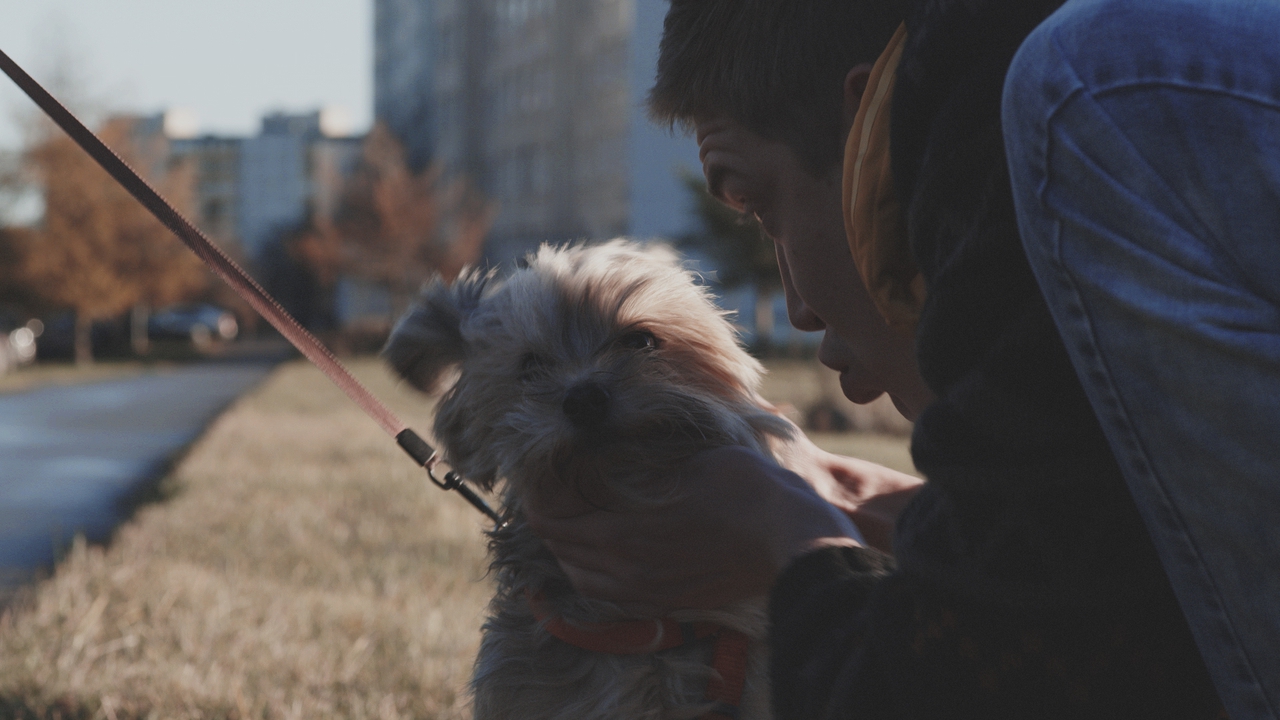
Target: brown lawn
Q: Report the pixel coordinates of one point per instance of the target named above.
(300, 567)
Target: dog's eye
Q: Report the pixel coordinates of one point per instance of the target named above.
(638, 340)
(530, 365)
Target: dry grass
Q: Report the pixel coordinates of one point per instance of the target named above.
(302, 568)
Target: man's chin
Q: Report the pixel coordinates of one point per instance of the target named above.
(858, 394)
(907, 411)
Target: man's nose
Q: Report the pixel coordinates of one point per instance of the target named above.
(801, 317)
(798, 313)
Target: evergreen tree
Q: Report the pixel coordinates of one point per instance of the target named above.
(737, 247)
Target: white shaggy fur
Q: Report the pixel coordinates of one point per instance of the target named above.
(601, 367)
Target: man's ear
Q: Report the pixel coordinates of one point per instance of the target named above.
(429, 340)
(855, 84)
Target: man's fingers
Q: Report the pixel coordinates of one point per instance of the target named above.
(596, 527)
(584, 555)
(737, 520)
(627, 587)
(596, 583)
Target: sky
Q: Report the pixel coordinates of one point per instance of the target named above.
(228, 61)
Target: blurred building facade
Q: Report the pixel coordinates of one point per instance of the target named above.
(249, 190)
(251, 194)
(216, 169)
(403, 68)
(540, 104)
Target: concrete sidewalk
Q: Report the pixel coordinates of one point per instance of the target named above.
(72, 457)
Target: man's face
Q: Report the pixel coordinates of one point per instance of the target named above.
(803, 216)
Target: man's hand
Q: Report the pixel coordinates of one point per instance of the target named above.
(871, 495)
(736, 524)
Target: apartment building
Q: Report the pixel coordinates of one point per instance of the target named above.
(403, 68)
(249, 189)
(540, 104)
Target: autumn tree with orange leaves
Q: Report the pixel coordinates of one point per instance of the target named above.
(398, 228)
(98, 252)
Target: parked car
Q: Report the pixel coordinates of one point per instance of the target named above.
(202, 324)
(18, 343)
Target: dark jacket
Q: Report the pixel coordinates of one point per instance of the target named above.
(1026, 585)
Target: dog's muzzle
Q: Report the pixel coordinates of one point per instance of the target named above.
(586, 405)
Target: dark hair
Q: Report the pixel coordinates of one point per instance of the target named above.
(776, 66)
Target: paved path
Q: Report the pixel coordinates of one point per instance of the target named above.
(70, 457)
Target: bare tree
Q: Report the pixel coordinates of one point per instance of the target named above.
(14, 288)
(737, 245)
(397, 228)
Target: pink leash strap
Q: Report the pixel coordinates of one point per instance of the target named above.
(245, 286)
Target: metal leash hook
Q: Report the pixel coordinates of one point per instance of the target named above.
(425, 455)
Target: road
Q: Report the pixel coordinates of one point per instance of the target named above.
(71, 457)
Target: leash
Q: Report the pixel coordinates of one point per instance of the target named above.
(246, 287)
(643, 637)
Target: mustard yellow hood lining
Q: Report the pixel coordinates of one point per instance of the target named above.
(873, 218)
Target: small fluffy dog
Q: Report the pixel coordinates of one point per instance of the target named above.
(601, 367)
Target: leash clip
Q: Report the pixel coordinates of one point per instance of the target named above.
(454, 481)
(425, 455)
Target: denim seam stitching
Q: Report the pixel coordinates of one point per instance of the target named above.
(1113, 409)
(1230, 262)
(1229, 258)
(1115, 87)
(1187, 86)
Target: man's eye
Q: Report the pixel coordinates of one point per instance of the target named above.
(741, 204)
(638, 340)
(750, 211)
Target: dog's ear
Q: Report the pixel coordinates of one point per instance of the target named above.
(428, 339)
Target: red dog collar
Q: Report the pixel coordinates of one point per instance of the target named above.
(642, 637)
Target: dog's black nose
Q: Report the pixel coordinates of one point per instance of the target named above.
(586, 405)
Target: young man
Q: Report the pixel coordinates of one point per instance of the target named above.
(1026, 584)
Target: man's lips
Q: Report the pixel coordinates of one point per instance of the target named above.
(859, 394)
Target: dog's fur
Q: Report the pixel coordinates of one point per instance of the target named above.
(558, 382)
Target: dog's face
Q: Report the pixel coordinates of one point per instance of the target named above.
(590, 360)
